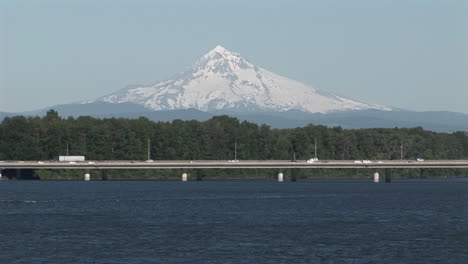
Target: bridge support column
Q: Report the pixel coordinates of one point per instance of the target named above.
(184, 176)
(388, 175)
(87, 176)
(280, 176)
(18, 174)
(104, 175)
(376, 177)
(0, 174)
(293, 175)
(199, 175)
(422, 173)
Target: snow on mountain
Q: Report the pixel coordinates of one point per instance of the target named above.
(223, 80)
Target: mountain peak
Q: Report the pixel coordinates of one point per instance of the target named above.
(224, 80)
(220, 52)
(220, 60)
(220, 49)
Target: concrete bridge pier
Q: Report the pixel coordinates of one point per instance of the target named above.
(376, 177)
(184, 176)
(199, 175)
(104, 175)
(388, 175)
(280, 176)
(87, 176)
(293, 175)
(0, 174)
(422, 173)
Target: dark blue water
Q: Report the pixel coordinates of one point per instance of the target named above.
(419, 221)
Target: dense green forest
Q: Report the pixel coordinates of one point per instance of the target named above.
(36, 138)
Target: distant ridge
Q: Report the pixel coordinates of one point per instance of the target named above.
(435, 121)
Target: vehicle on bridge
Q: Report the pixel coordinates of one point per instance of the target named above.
(70, 158)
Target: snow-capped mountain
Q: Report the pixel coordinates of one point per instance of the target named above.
(223, 80)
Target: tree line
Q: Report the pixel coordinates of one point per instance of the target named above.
(43, 138)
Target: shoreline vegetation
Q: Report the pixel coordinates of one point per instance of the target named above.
(220, 138)
(237, 174)
(257, 174)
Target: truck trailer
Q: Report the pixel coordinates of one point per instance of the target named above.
(70, 158)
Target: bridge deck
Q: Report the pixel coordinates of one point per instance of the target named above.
(220, 164)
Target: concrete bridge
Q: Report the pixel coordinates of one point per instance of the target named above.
(233, 164)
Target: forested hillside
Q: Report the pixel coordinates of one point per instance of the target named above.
(44, 138)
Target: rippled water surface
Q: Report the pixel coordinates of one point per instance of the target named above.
(355, 221)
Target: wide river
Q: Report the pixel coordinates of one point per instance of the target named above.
(316, 221)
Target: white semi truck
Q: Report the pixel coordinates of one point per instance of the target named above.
(70, 158)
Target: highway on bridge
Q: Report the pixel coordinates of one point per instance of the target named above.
(232, 164)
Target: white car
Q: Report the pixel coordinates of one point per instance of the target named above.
(357, 161)
(366, 161)
(233, 160)
(312, 160)
(419, 159)
(380, 162)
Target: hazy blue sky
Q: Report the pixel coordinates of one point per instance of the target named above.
(411, 54)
